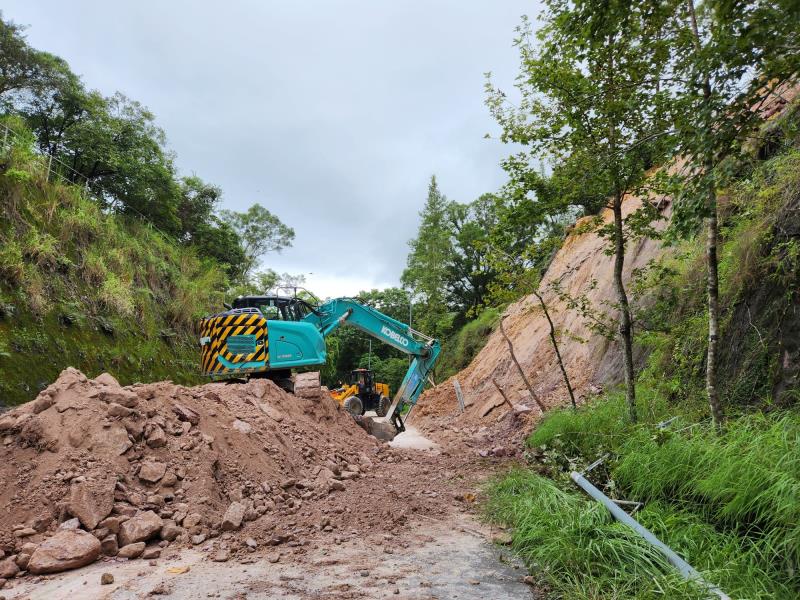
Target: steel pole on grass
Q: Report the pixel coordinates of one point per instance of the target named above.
(686, 570)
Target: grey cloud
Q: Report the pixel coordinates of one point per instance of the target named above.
(332, 114)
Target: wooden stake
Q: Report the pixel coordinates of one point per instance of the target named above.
(519, 368)
(502, 393)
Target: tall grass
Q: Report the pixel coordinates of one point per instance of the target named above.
(728, 503)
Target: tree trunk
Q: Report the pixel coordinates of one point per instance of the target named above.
(625, 324)
(713, 310)
(712, 262)
(554, 341)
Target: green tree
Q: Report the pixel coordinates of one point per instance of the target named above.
(427, 263)
(729, 58)
(590, 103)
(260, 232)
(469, 272)
(19, 63)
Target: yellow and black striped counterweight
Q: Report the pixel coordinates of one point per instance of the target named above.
(234, 343)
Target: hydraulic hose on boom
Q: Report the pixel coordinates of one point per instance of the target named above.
(424, 350)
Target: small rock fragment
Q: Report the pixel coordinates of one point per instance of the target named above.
(106, 579)
(131, 550)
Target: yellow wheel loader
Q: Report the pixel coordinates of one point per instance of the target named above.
(363, 394)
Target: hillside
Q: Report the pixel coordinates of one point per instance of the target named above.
(578, 291)
(87, 288)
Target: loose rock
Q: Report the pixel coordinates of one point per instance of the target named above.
(140, 528)
(67, 549)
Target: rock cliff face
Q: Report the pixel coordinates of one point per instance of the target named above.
(581, 268)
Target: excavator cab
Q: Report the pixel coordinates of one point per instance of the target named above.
(363, 394)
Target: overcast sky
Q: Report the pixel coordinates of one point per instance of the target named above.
(331, 113)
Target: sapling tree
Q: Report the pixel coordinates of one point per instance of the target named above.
(728, 59)
(590, 92)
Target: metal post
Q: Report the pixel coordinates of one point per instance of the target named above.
(459, 395)
(686, 570)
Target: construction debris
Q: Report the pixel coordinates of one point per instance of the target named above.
(91, 469)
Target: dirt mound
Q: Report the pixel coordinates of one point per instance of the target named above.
(145, 466)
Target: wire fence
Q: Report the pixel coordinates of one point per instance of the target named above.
(58, 171)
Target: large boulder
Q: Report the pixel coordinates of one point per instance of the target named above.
(67, 549)
(140, 528)
(233, 517)
(91, 500)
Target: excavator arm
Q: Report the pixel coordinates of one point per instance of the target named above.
(424, 350)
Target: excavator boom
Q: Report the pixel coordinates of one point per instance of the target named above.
(424, 350)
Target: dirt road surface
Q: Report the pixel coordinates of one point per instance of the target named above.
(440, 549)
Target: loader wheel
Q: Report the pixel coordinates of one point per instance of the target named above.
(384, 404)
(354, 406)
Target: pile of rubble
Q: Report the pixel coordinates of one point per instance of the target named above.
(91, 469)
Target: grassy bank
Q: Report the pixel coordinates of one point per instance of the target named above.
(85, 288)
(728, 504)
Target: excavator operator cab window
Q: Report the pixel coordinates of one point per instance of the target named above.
(271, 313)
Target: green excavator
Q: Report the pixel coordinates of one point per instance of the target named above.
(268, 336)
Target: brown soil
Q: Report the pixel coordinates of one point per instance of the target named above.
(303, 471)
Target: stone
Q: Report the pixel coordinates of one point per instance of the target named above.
(126, 398)
(74, 523)
(42, 403)
(156, 438)
(25, 532)
(131, 550)
(170, 531)
(117, 410)
(109, 546)
(233, 517)
(152, 470)
(242, 426)
(91, 500)
(307, 385)
(112, 523)
(222, 555)
(22, 560)
(106, 379)
(251, 543)
(27, 548)
(140, 528)
(336, 485)
(106, 579)
(67, 549)
(117, 441)
(184, 413)
(8, 568)
(503, 538)
(192, 520)
(198, 539)
(124, 509)
(151, 553)
(169, 479)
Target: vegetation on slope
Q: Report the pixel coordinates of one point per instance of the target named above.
(728, 503)
(84, 287)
